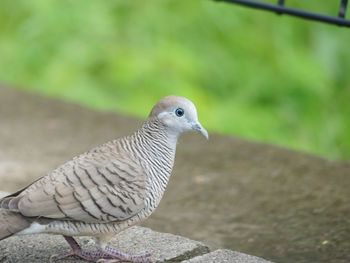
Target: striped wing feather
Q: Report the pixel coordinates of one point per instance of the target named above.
(94, 188)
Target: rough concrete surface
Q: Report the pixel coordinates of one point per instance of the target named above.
(226, 256)
(135, 240)
(259, 199)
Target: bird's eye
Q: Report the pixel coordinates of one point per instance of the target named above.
(179, 112)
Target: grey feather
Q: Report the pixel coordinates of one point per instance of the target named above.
(11, 223)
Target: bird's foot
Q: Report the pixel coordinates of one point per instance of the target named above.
(112, 255)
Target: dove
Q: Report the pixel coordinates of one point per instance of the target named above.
(105, 190)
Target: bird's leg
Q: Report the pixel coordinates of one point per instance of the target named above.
(108, 255)
(73, 244)
(77, 251)
(115, 255)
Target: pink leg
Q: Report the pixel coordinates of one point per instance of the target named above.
(109, 255)
(77, 251)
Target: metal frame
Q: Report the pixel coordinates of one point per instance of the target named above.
(280, 8)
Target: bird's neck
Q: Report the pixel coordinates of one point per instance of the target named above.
(159, 146)
(157, 135)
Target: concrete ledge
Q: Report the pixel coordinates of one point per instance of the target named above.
(225, 255)
(164, 247)
(136, 240)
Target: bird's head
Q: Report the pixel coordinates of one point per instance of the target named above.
(178, 114)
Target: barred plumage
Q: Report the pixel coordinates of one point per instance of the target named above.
(108, 188)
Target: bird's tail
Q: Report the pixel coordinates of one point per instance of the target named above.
(11, 223)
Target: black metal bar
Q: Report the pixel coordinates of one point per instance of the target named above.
(342, 8)
(291, 11)
(280, 3)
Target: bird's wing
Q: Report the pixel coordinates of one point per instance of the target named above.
(94, 188)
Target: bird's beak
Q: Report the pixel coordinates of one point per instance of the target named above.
(199, 128)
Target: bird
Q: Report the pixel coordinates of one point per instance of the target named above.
(105, 190)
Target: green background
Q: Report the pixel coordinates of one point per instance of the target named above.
(252, 74)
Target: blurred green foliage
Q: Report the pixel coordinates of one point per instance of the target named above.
(253, 74)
